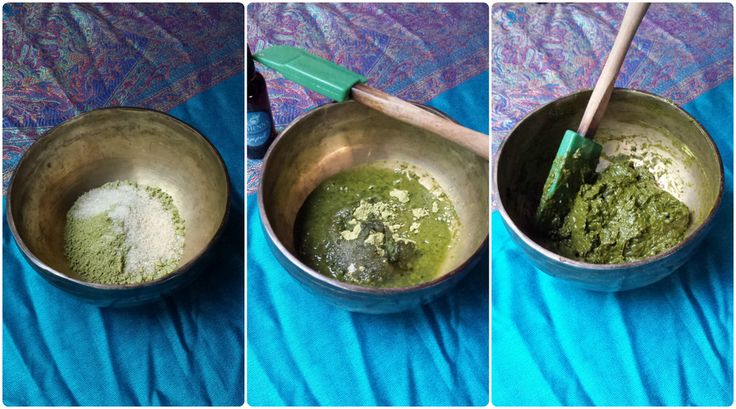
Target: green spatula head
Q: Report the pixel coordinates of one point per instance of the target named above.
(310, 71)
(574, 165)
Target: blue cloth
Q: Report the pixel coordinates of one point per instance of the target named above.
(670, 343)
(186, 349)
(464, 103)
(303, 351)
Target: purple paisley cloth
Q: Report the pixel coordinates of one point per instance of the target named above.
(415, 51)
(63, 59)
(545, 51)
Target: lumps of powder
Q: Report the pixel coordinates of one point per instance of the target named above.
(366, 210)
(374, 238)
(401, 195)
(418, 213)
(124, 233)
(351, 234)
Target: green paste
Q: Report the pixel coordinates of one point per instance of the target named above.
(623, 216)
(135, 234)
(572, 171)
(376, 226)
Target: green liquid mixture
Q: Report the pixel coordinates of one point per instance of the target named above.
(376, 226)
(623, 216)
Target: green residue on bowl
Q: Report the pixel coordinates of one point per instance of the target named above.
(623, 216)
(376, 226)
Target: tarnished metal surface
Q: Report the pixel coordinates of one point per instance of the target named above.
(655, 133)
(104, 145)
(335, 137)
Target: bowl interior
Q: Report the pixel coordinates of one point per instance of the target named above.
(336, 137)
(115, 144)
(654, 133)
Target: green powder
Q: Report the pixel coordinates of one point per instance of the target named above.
(94, 250)
(123, 233)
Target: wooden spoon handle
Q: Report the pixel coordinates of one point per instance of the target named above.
(604, 87)
(412, 114)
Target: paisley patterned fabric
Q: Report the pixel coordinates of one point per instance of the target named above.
(415, 51)
(545, 51)
(63, 59)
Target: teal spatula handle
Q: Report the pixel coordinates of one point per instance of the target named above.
(338, 83)
(310, 71)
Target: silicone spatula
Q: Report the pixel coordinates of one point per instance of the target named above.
(339, 84)
(578, 154)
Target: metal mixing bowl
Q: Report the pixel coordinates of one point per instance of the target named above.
(656, 133)
(339, 136)
(105, 145)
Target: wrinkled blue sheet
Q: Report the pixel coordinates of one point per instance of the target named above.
(303, 351)
(670, 343)
(186, 349)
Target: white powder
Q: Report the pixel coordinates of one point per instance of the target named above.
(151, 236)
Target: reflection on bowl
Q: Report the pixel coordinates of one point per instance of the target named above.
(655, 133)
(111, 144)
(336, 137)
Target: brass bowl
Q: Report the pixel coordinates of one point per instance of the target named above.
(111, 144)
(655, 133)
(335, 137)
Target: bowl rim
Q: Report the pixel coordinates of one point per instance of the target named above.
(616, 266)
(179, 271)
(331, 282)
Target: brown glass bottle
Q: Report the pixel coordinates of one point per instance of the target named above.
(260, 131)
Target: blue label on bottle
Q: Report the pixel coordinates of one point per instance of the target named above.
(259, 128)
